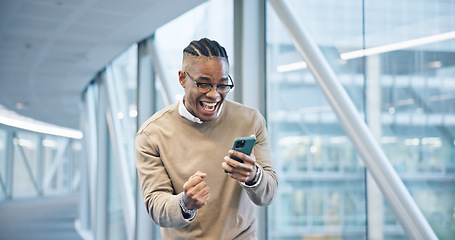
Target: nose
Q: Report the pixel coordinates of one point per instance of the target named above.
(213, 94)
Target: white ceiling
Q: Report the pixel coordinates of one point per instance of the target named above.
(51, 49)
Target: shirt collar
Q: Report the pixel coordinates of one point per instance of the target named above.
(186, 114)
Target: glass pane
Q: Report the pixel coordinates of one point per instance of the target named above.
(50, 148)
(56, 165)
(3, 162)
(116, 229)
(25, 165)
(417, 87)
(123, 73)
(76, 158)
(124, 76)
(322, 183)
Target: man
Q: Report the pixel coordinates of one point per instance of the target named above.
(191, 188)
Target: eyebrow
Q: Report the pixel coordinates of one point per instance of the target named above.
(202, 78)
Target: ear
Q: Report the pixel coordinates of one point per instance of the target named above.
(182, 78)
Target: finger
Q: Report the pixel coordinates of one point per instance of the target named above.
(226, 167)
(199, 174)
(248, 159)
(244, 157)
(193, 181)
(190, 183)
(196, 196)
(239, 177)
(246, 166)
(230, 164)
(198, 199)
(200, 202)
(242, 172)
(245, 174)
(236, 154)
(196, 191)
(200, 188)
(201, 193)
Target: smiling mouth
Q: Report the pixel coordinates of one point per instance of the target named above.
(209, 106)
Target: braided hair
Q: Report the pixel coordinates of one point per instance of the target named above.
(206, 48)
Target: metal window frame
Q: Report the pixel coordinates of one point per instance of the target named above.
(9, 164)
(145, 229)
(86, 204)
(249, 71)
(101, 165)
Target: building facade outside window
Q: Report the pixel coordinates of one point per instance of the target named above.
(323, 187)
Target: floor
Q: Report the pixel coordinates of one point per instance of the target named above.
(50, 218)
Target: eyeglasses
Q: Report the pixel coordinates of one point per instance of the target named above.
(206, 87)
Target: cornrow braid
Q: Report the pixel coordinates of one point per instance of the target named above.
(206, 47)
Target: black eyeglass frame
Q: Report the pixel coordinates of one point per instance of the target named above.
(198, 84)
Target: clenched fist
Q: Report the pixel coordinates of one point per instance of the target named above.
(196, 192)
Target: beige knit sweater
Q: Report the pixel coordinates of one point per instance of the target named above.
(170, 148)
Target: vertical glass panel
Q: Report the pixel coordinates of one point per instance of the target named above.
(124, 110)
(417, 86)
(50, 149)
(56, 165)
(124, 74)
(213, 20)
(3, 162)
(116, 222)
(76, 158)
(322, 183)
(25, 165)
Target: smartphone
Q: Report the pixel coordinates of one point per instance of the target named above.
(244, 145)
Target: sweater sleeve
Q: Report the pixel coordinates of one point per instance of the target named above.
(264, 192)
(161, 203)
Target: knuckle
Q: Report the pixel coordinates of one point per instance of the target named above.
(190, 194)
(186, 187)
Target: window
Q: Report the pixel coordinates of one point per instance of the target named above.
(323, 186)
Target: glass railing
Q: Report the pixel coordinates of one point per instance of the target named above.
(34, 164)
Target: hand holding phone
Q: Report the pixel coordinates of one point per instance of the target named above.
(244, 145)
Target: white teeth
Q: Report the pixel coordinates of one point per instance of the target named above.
(208, 106)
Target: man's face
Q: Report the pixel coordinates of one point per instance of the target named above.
(214, 71)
